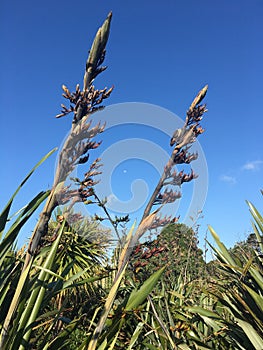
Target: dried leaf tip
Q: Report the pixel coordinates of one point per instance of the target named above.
(200, 96)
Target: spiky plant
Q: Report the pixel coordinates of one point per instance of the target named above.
(45, 270)
(29, 292)
(241, 290)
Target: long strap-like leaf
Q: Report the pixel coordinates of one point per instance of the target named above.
(6, 210)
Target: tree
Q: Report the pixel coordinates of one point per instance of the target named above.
(246, 249)
(176, 248)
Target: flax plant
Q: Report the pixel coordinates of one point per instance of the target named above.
(13, 280)
(80, 140)
(242, 294)
(30, 289)
(221, 312)
(76, 148)
(181, 142)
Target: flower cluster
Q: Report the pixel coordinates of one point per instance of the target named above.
(181, 141)
(168, 196)
(177, 179)
(163, 221)
(184, 157)
(83, 103)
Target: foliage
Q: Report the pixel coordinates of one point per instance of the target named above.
(80, 259)
(37, 282)
(61, 279)
(63, 292)
(246, 249)
(176, 248)
(242, 291)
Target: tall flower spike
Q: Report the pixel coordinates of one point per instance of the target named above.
(97, 52)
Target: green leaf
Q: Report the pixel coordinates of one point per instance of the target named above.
(211, 323)
(256, 215)
(257, 298)
(60, 341)
(135, 335)
(41, 268)
(103, 344)
(251, 333)
(137, 297)
(37, 295)
(259, 237)
(19, 293)
(150, 346)
(259, 220)
(6, 210)
(199, 347)
(111, 347)
(202, 312)
(108, 305)
(224, 254)
(69, 283)
(255, 273)
(14, 230)
(184, 347)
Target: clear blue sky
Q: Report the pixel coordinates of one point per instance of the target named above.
(160, 53)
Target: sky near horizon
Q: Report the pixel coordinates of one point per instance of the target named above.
(158, 53)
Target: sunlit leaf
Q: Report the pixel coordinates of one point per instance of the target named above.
(137, 297)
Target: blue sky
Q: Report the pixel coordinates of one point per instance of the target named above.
(159, 53)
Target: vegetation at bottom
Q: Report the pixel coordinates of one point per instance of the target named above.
(68, 289)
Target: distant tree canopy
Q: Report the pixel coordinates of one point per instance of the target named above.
(246, 249)
(176, 247)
